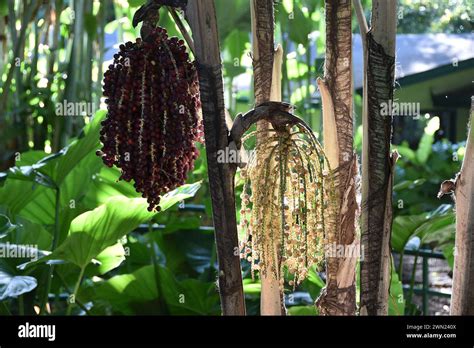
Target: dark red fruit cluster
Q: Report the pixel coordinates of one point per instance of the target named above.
(153, 114)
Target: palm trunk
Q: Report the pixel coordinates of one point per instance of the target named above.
(202, 19)
(462, 299)
(377, 161)
(338, 297)
(271, 301)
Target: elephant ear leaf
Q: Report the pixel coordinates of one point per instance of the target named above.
(94, 231)
(12, 286)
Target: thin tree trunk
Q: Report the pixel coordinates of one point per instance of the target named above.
(377, 161)
(202, 19)
(271, 301)
(462, 299)
(338, 297)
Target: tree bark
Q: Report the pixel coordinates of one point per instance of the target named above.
(462, 299)
(377, 161)
(271, 301)
(202, 19)
(338, 297)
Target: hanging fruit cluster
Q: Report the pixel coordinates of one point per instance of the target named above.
(286, 205)
(153, 114)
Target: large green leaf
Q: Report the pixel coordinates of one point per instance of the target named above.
(16, 194)
(126, 292)
(105, 185)
(92, 232)
(37, 175)
(28, 233)
(12, 286)
(403, 228)
(72, 191)
(145, 291)
(87, 142)
(31, 174)
(110, 258)
(425, 226)
(189, 296)
(187, 251)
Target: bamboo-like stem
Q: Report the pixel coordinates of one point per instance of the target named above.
(462, 299)
(202, 19)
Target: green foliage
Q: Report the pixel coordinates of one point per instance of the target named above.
(420, 16)
(14, 286)
(92, 232)
(303, 310)
(155, 290)
(396, 301)
(68, 201)
(69, 209)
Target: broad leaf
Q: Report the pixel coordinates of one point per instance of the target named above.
(143, 292)
(92, 232)
(87, 142)
(188, 297)
(126, 292)
(12, 286)
(403, 228)
(110, 258)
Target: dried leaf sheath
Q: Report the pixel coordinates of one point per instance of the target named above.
(338, 297)
(377, 205)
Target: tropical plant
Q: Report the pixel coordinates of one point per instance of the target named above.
(69, 211)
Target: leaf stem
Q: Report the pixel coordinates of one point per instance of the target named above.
(79, 303)
(76, 289)
(53, 246)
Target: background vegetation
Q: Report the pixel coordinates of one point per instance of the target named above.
(57, 197)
